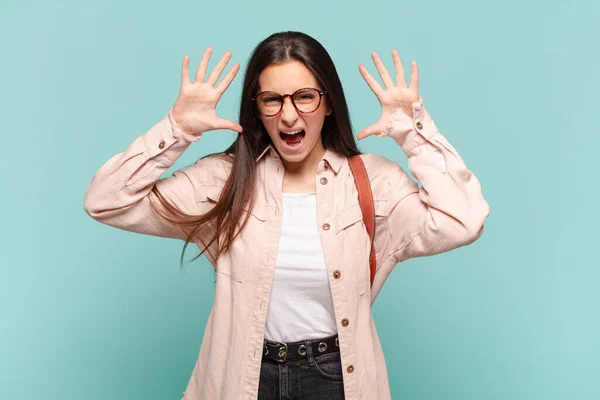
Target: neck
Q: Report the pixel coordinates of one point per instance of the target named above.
(307, 167)
(302, 174)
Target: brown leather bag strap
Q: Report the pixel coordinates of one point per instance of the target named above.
(365, 199)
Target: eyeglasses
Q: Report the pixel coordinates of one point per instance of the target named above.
(305, 100)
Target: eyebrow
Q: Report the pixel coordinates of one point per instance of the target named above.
(281, 94)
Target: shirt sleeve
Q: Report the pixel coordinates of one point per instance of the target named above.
(448, 210)
(120, 192)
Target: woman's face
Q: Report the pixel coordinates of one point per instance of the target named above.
(283, 79)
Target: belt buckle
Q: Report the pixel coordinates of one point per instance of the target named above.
(283, 350)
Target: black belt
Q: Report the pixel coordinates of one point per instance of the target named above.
(280, 352)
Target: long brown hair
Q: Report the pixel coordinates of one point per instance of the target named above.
(238, 192)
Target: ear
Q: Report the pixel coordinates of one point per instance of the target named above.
(329, 109)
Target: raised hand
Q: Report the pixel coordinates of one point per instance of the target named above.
(194, 109)
(395, 97)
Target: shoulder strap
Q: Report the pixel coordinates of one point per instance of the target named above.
(367, 207)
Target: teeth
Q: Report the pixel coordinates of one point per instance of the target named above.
(291, 133)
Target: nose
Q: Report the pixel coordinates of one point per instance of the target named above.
(289, 114)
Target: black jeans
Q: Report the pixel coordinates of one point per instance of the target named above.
(316, 377)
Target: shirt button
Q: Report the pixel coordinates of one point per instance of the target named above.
(419, 125)
(326, 227)
(323, 181)
(337, 274)
(350, 368)
(161, 145)
(345, 322)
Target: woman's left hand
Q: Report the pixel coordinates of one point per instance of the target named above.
(394, 96)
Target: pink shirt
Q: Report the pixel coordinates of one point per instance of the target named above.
(446, 212)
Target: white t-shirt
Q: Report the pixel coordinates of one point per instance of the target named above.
(301, 306)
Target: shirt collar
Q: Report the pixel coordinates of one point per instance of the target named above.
(333, 159)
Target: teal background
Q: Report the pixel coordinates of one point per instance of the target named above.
(91, 312)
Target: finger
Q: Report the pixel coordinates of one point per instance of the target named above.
(400, 77)
(216, 73)
(185, 73)
(414, 79)
(383, 72)
(373, 84)
(369, 130)
(227, 124)
(225, 82)
(201, 71)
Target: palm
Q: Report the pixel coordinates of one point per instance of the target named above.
(395, 96)
(195, 108)
(202, 98)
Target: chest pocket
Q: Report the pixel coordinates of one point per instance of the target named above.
(353, 214)
(352, 218)
(353, 245)
(246, 254)
(348, 217)
(226, 268)
(261, 213)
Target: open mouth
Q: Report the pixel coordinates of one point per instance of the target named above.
(293, 138)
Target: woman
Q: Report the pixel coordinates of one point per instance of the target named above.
(278, 216)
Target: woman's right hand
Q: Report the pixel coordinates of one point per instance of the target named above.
(194, 109)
